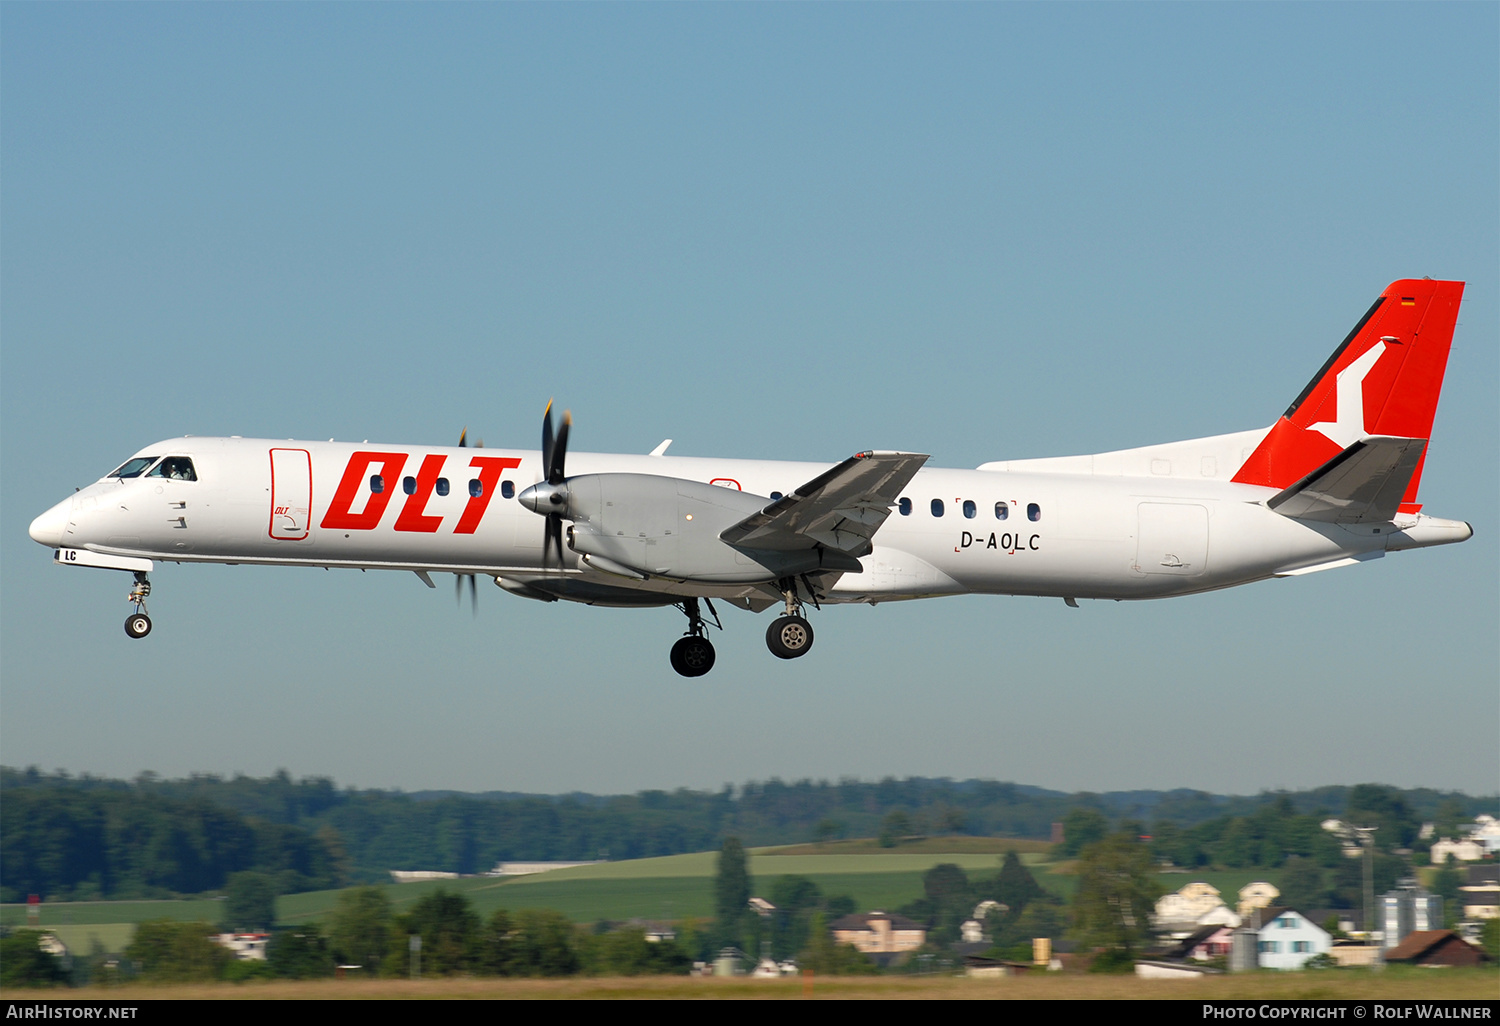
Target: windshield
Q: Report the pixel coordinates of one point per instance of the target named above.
(133, 467)
(178, 468)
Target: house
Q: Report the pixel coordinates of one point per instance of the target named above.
(1482, 839)
(1480, 892)
(1464, 850)
(1256, 895)
(1436, 947)
(1187, 910)
(1286, 939)
(879, 933)
(1179, 911)
(246, 946)
(1209, 941)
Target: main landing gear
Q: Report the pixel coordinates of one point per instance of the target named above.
(138, 624)
(790, 636)
(693, 655)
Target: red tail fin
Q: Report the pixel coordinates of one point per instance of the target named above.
(1383, 380)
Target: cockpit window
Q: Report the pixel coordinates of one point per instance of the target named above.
(133, 467)
(178, 468)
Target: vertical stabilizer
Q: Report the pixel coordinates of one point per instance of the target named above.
(1383, 380)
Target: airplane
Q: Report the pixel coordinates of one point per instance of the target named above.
(1333, 482)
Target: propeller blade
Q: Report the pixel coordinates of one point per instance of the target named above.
(555, 473)
(461, 436)
(553, 539)
(458, 591)
(554, 462)
(547, 440)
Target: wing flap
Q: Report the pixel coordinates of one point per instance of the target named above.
(840, 509)
(1361, 485)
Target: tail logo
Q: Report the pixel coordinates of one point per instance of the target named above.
(1348, 425)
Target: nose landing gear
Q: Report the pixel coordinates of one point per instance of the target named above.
(693, 654)
(138, 624)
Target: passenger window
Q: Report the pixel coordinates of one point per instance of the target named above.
(442, 486)
(507, 490)
(1033, 512)
(409, 485)
(937, 507)
(133, 468)
(1002, 511)
(970, 510)
(775, 496)
(377, 484)
(475, 488)
(904, 506)
(176, 468)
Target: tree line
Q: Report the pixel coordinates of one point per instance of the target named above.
(66, 837)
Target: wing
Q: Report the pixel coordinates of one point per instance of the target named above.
(840, 509)
(1361, 485)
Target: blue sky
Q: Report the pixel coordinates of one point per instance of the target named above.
(784, 231)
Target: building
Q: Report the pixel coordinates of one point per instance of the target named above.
(1436, 947)
(246, 946)
(1464, 850)
(1287, 939)
(1207, 942)
(1183, 907)
(1256, 895)
(1480, 892)
(1407, 908)
(879, 933)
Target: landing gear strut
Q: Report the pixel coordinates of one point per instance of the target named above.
(693, 655)
(138, 624)
(790, 636)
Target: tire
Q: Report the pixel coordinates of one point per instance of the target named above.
(692, 657)
(789, 637)
(138, 625)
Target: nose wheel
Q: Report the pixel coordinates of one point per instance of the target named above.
(138, 624)
(693, 654)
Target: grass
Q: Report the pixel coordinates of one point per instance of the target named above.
(997, 846)
(1392, 984)
(669, 888)
(69, 913)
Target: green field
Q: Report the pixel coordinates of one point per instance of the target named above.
(997, 846)
(1397, 983)
(671, 888)
(69, 913)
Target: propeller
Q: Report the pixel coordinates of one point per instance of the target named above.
(458, 591)
(550, 497)
(554, 457)
(458, 579)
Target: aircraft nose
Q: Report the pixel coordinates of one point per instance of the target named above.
(50, 528)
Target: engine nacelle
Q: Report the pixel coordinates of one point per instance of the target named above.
(669, 527)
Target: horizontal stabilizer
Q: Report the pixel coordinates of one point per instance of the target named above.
(1361, 485)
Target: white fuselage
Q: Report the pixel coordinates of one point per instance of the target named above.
(1143, 523)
